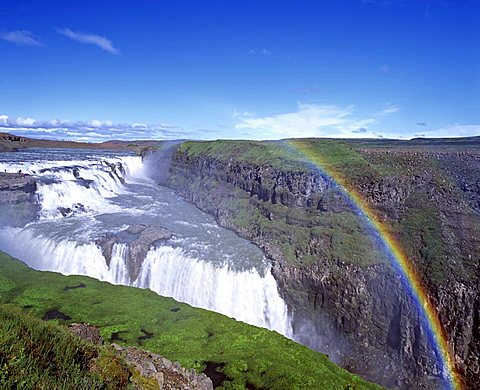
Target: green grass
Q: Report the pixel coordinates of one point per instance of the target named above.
(296, 155)
(275, 154)
(250, 355)
(35, 354)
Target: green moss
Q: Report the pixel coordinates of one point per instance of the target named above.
(189, 335)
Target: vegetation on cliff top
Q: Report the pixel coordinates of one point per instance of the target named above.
(246, 355)
(287, 155)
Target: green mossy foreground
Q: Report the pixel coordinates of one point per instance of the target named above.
(247, 355)
(36, 354)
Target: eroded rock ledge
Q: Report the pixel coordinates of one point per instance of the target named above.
(139, 239)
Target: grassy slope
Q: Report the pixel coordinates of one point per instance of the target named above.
(41, 355)
(250, 355)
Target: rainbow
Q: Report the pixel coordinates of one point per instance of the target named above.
(398, 258)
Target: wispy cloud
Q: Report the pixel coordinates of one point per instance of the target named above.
(451, 131)
(90, 39)
(20, 38)
(307, 90)
(384, 69)
(388, 109)
(244, 114)
(360, 130)
(311, 120)
(91, 131)
(263, 52)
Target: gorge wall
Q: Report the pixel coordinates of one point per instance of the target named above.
(346, 298)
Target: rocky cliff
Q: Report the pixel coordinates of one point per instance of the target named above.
(346, 298)
(17, 199)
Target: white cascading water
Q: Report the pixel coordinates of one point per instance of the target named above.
(244, 295)
(92, 188)
(118, 272)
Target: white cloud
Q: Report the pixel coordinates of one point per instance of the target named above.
(92, 131)
(92, 39)
(21, 38)
(450, 131)
(310, 120)
(313, 120)
(25, 121)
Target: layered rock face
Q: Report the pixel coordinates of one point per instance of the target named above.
(346, 298)
(17, 199)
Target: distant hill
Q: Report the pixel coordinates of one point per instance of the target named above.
(9, 142)
(424, 142)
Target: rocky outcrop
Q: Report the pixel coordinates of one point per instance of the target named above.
(86, 332)
(139, 239)
(147, 370)
(167, 374)
(324, 259)
(17, 199)
(10, 142)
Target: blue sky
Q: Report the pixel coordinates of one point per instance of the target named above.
(93, 70)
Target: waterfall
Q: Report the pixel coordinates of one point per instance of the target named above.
(118, 265)
(82, 199)
(66, 187)
(244, 295)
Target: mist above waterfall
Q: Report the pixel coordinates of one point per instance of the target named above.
(157, 160)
